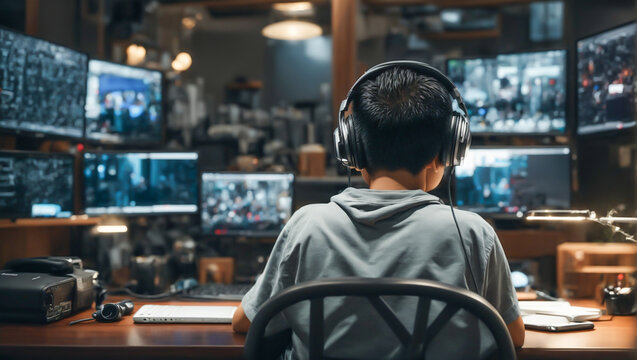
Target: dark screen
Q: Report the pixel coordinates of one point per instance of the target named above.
(245, 204)
(140, 183)
(512, 180)
(123, 103)
(36, 185)
(605, 90)
(514, 93)
(42, 86)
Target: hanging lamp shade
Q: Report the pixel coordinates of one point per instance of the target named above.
(292, 30)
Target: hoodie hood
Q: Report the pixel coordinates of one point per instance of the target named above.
(370, 206)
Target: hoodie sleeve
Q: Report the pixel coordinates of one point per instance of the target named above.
(498, 288)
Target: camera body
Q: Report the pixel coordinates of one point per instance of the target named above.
(44, 289)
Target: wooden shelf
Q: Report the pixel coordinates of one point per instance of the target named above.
(76, 220)
(602, 269)
(463, 35)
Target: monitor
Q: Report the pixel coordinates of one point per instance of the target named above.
(42, 86)
(522, 93)
(605, 81)
(245, 204)
(36, 185)
(123, 103)
(140, 183)
(512, 180)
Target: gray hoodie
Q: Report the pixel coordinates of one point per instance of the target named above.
(374, 233)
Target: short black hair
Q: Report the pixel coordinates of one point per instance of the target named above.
(402, 118)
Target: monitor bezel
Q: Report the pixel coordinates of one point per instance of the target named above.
(44, 134)
(123, 214)
(511, 216)
(128, 141)
(45, 155)
(245, 234)
(523, 134)
(609, 131)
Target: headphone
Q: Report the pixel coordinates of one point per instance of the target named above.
(349, 147)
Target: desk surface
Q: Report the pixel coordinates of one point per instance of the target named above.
(91, 340)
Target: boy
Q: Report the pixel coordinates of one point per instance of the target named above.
(393, 229)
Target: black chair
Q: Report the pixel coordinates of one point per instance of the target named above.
(414, 344)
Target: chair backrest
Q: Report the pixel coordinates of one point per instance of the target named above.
(415, 343)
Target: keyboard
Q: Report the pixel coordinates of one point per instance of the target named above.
(184, 314)
(218, 291)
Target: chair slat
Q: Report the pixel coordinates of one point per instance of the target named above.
(416, 348)
(316, 329)
(441, 320)
(391, 319)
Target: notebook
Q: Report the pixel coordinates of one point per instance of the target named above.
(184, 314)
(554, 323)
(559, 308)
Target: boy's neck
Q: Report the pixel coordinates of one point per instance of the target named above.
(396, 180)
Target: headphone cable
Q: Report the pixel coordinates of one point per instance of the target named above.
(453, 213)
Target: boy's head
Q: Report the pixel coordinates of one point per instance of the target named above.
(402, 118)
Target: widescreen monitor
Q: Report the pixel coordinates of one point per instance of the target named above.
(42, 86)
(605, 81)
(521, 93)
(245, 204)
(123, 103)
(140, 183)
(36, 185)
(512, 180)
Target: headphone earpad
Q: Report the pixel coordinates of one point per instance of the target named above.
(356, 147)
(458, 142)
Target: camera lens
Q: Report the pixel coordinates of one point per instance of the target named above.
(110, 311)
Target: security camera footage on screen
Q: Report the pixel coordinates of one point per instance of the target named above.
(140, 183)
(606, 85)
(42, 86)
(123, 103)
(245, 204)
(36, 186)
(515, 93)
(499, 181)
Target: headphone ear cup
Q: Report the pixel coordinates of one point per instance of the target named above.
(355, 145)
(459, 141)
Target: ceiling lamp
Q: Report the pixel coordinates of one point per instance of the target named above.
(292, 30)
(294, 8)
(182, 61)
(135, 54)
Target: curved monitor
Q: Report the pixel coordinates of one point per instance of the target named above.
(511, 180)
(42, 86)
(123, 104)
(245, 204)
(140, 183)
(36, 185)
(522, 93)
(605, 81)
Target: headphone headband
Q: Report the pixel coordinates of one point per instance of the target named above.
(419, 67)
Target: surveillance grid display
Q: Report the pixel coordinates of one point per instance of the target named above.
(606, 85)
(510, 181)
(516, 93)
(245, 204)
(42, 86)
(140, 183)
(36, 186)
(123, 103)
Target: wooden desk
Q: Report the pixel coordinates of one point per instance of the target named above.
(612, 339)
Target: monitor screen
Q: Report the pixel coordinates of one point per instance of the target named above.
(42, 86)
(36, 185)
(140, 183)
(123, 103)
(247, 204)
(497, 181)
(513, 94)
(605, 81)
